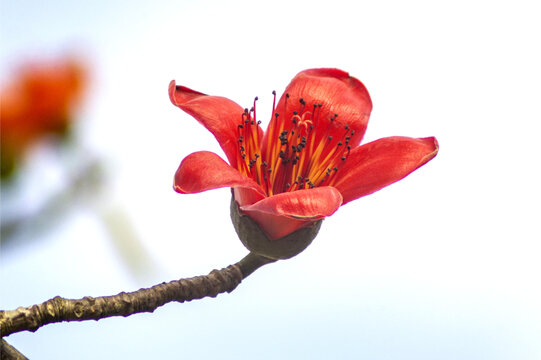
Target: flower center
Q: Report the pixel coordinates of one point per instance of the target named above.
(301, 150)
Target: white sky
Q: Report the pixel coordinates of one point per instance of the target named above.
(442, 265)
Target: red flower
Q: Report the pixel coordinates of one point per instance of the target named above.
(308, 163)
(40, 102)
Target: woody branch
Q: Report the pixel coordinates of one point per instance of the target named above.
(125, 304)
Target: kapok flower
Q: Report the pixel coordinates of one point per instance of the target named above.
(39, 102)
(308, 163)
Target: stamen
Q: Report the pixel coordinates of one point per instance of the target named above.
(300, 152)
(255, 99)
(303, 103)
(285, 104)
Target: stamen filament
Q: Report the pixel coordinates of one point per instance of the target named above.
(299, 152)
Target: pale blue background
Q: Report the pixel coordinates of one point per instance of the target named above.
(443, 265)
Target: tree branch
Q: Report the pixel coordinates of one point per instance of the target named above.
(60, 309)
(8, 352)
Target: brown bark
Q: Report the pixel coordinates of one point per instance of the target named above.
(8, 352)
(60, 309)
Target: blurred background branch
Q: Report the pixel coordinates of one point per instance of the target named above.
(39, 113)
(85, 183)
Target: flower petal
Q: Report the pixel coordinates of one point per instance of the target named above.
(375, 165)
(338, 93)
(218, 114)
(284, 213)
(205, 170)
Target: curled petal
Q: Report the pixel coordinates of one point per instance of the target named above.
(281, 214)
(377, 164)
(205, 170)
(218, 114)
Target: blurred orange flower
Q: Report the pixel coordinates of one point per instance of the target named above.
(40, 101)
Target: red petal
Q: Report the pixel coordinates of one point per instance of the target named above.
(205, 170)
(338, 93)
(281, 214)
(375, 165)
(219, 115)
